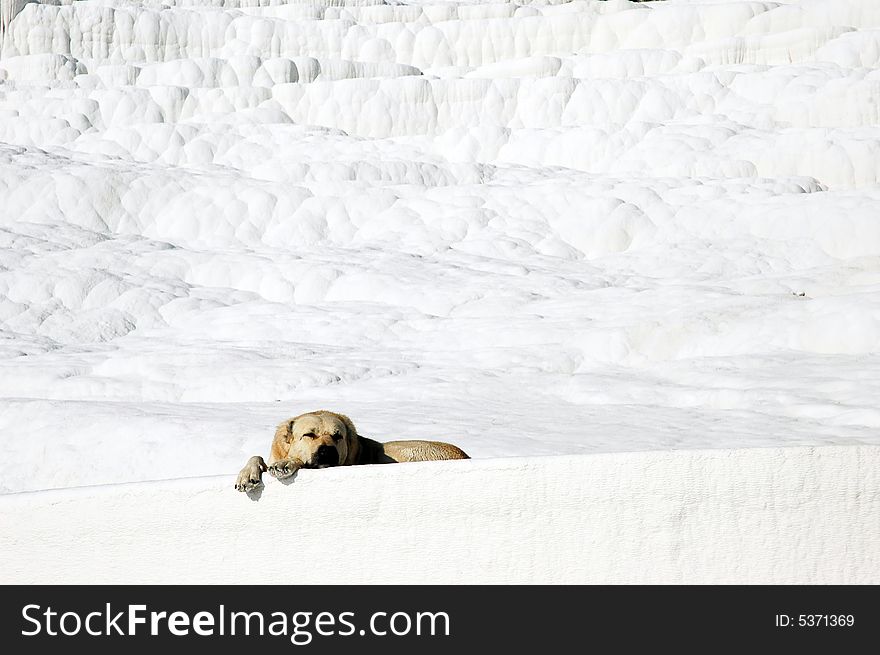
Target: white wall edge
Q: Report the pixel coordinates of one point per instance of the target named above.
(768, 515)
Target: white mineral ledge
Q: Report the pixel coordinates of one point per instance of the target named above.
(768, 515)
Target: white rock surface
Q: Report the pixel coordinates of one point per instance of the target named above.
(547, 228)
(763, 516)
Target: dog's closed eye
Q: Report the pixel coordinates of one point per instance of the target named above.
(310, 435)
(337, 436)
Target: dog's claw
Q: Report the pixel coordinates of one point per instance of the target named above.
(248, 485)
(281, 470)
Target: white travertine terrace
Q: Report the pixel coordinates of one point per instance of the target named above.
(616, 234)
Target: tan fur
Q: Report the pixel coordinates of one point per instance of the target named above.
(298, 444)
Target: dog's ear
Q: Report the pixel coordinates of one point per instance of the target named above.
(352, 440)
(284, 431)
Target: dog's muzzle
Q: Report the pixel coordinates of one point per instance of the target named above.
(327, 456)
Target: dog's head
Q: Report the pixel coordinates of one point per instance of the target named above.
(318, 439)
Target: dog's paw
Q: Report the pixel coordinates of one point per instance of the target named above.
(250, 478)
(283, 469)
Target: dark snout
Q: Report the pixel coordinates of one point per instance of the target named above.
(327, 456)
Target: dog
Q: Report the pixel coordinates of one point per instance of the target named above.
(322, 439)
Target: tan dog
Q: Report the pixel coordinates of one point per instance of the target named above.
(321, 439)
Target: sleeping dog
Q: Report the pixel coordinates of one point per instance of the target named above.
(322, 439)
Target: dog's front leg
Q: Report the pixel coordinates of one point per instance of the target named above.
(251, 476)
(284, 468)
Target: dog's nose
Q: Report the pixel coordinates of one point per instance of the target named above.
(327, 456)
